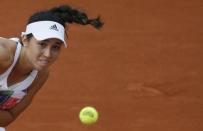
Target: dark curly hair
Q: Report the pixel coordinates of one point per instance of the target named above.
(65, 14)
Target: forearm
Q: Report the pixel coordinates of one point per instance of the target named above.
(5, 118)
(20, 107)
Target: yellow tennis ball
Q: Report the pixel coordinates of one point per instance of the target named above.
(88, 115)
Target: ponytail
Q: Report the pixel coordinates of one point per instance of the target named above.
(70, 15)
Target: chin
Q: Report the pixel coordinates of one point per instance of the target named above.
(40, 68)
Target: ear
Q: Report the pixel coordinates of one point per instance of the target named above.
(25, 41)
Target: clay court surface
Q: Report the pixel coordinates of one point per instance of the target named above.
(143, 71)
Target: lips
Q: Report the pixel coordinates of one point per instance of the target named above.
(44, 62)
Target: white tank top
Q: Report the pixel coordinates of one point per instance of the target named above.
(19, 89)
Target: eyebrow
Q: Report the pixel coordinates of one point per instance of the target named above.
(59, 43)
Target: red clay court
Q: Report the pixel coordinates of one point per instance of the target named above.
(143, 71)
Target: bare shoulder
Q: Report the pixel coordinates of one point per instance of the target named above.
(7, 50)
(3, 50)
(7, 44)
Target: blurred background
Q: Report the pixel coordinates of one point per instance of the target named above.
(142, 71)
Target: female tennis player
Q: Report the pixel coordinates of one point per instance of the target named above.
(24, 61)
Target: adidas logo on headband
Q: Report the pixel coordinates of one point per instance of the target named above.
(54, 27)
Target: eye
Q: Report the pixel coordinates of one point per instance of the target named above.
(56, 47)
(42, 44)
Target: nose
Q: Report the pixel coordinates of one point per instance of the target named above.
(47, 52)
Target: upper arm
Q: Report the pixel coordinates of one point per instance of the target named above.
(25, 102)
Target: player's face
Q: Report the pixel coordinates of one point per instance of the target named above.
(43, 53)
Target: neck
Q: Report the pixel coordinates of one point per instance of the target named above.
(23, 67)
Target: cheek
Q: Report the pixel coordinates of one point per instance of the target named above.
(34, 53)
(55, 53)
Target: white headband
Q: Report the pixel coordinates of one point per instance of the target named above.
(42, 30)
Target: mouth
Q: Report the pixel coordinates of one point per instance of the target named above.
(44, 62)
